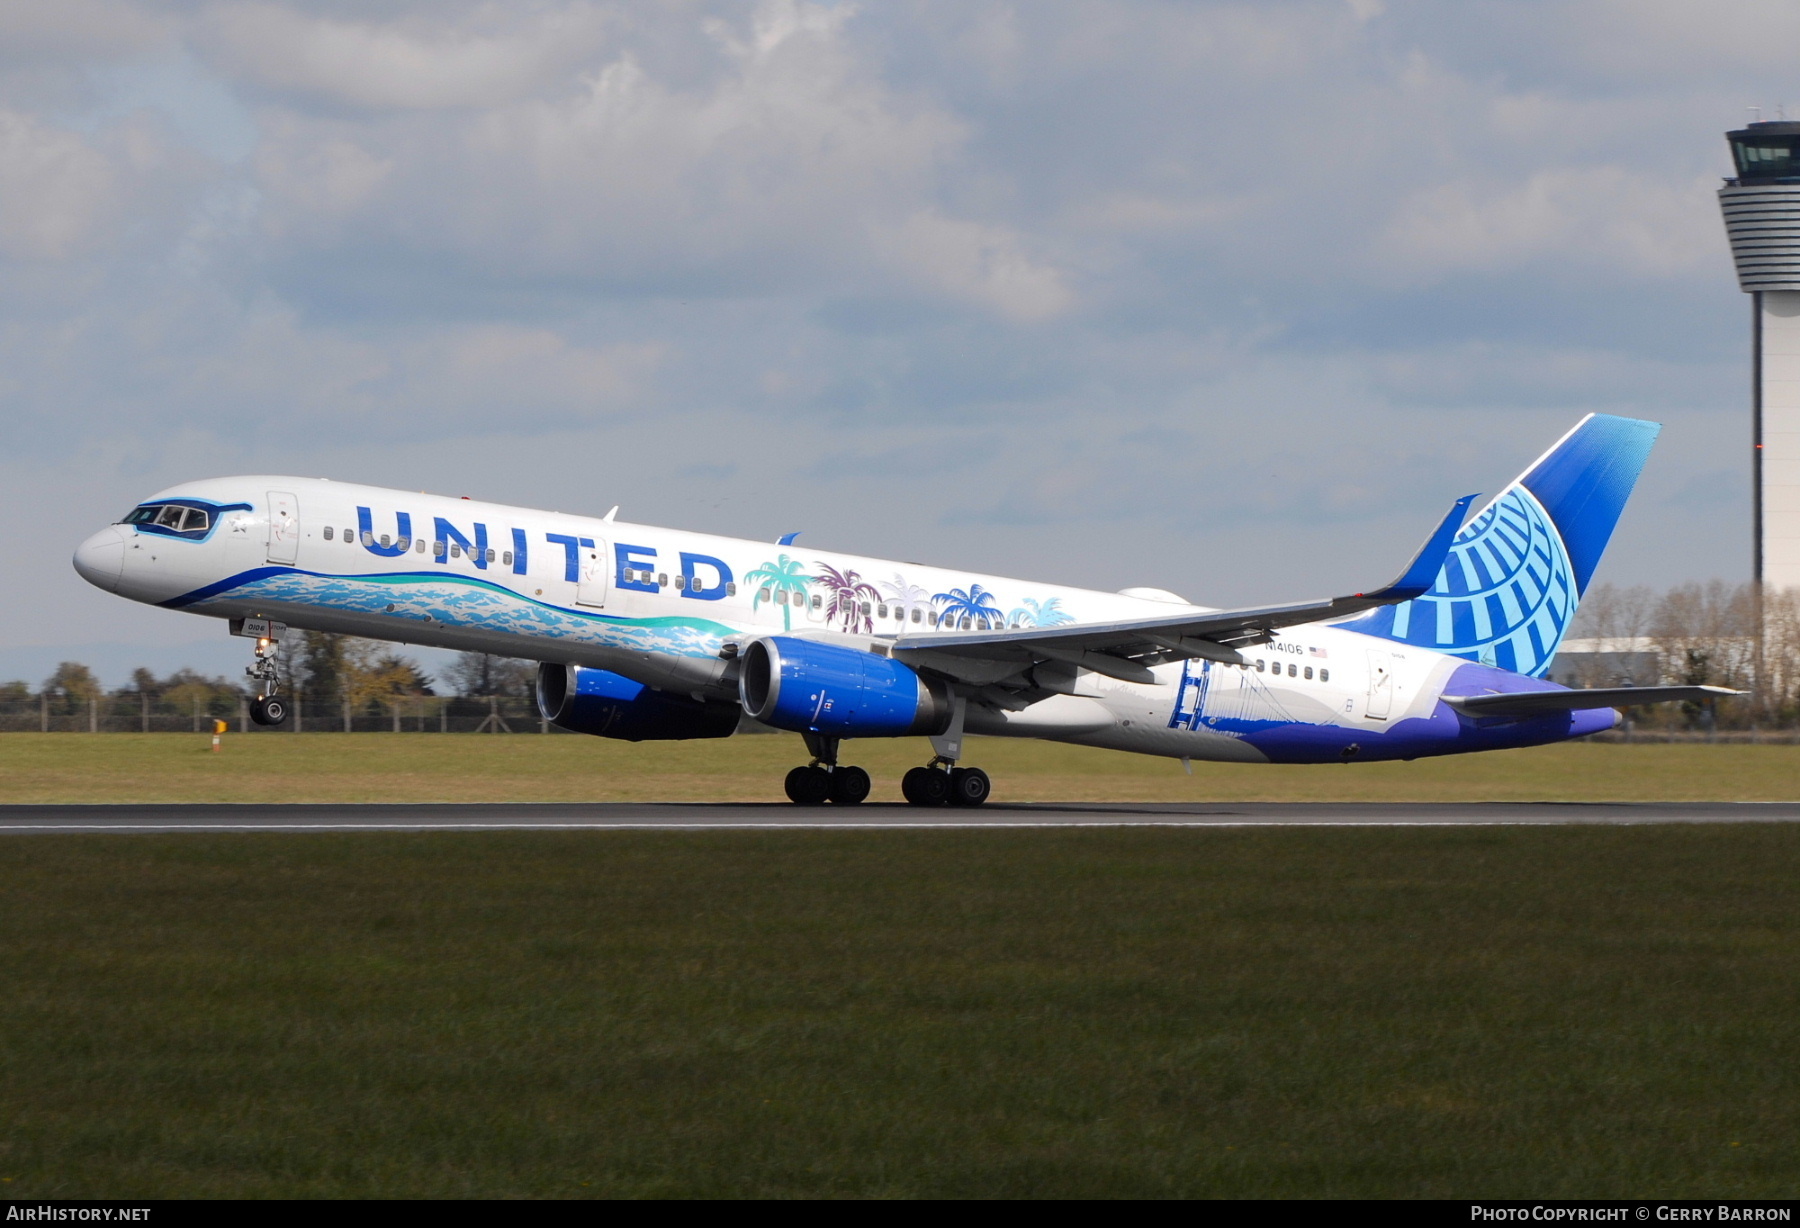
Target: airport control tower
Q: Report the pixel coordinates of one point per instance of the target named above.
(1762, 216)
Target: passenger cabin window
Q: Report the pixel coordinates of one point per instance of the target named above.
(419, 544)
(455, 550)
(731, 588)
(816, 602)
(327, 532)
(507, 558)
(680, 582)
(1291, 670)
(917, 615)
(1309, 672)
(1259, 665)
(1324, 675)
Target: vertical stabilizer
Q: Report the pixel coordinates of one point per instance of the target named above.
(1515, 573)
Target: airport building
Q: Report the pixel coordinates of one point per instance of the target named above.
(1762, 218)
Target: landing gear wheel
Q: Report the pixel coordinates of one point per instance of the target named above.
(268, 709)
(969, 786)
(925, 786)
(849, 786)
(808, 786)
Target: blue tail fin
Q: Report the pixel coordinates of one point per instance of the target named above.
(1515, 572)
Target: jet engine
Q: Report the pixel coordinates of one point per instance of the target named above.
(842, 692)
(608, 705)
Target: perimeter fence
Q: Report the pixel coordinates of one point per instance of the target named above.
(148, 712)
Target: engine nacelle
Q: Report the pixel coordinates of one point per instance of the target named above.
(843, 692)
(608, 705)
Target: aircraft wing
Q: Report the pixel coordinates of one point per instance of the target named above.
(1126, 650)
(1539, 703)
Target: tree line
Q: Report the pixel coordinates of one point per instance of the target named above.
(1713, 634)
(335, 674)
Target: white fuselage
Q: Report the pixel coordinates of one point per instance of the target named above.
(657, 605)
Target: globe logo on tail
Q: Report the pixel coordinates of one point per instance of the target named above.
(1504, 597)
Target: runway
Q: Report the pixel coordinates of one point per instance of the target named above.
(174, 818)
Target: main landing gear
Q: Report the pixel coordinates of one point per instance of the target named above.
(823, 780)
(268, 708)
(941, 782)
(938, 783)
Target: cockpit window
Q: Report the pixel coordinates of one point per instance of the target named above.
(171, 519)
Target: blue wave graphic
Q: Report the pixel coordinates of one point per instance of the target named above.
(465, 601)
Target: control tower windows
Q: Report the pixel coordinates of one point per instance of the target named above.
(1761, 158)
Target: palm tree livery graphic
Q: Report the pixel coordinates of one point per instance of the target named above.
(784, 578)
(1040, 614)
(850, 598)
(906, 597)
(977, 605)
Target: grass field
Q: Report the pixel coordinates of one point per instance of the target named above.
(64, 767)
(1334, 1012)
(1344, 1012)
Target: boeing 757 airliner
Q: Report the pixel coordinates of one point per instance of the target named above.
(647, 633)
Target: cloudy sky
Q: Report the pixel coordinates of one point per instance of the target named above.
(1225, 298)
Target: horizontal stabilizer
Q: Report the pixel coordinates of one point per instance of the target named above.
(1539, 703)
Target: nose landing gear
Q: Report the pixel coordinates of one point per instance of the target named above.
(823, 780)
(268, 708)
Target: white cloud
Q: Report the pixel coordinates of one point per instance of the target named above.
(1606, 216)
(55, 189)
(490, 56)
(981, 264)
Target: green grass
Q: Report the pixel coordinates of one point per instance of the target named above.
(1582, 1012)
(62, 767)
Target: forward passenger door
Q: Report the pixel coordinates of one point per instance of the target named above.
(590, 588)
(284, 527)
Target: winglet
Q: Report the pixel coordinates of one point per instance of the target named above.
(1422, 572)
(787, 539)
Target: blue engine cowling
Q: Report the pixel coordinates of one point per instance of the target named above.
(842, 692)
(608, 705)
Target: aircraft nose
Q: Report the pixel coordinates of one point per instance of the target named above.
(101, 558)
